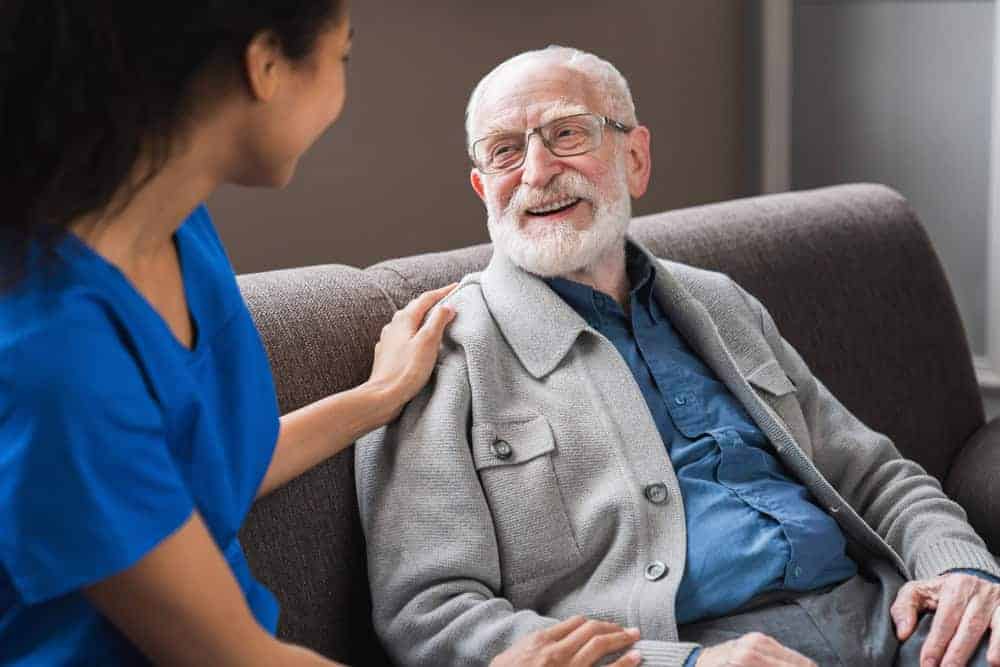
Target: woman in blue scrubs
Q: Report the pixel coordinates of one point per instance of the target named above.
(138, 419)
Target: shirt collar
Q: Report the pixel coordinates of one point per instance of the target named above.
(596, 307)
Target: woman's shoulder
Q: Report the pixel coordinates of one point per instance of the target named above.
(67, 343)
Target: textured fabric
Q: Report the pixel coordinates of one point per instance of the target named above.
(510, 492)
(320, 325)
(846, 626)
(974, 479)
(113, 433)
(750, 527)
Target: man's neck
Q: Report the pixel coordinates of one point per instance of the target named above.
(608, 274)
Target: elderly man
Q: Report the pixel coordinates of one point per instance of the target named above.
(630, 440)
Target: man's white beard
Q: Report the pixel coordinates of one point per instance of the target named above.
(558, 248)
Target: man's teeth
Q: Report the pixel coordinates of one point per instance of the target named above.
(554, 206)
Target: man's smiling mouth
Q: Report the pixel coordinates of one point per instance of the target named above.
(555, 207)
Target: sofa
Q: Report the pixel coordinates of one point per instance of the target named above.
(848, 273)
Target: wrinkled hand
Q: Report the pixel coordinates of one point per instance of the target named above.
(752, 650)
(408, 348)
(965, 608)
(575, 642)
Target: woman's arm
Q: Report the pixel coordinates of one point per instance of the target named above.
(181, 605)
(404, 358)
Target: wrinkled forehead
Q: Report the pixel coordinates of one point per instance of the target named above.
(529, 94)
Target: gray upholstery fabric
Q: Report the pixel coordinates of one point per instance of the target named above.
(304, 541)
(847, 272)
(974, 481)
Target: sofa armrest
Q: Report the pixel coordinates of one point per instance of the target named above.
(974, 481)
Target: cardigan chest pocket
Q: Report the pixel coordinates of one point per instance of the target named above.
(774, 387)
(514, 460)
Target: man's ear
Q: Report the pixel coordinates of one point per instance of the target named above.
(477, 183)
(263, 60)
(638, 161)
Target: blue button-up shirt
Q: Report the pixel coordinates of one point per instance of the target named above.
(751, 527)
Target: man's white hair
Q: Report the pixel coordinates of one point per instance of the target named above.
(610, 83)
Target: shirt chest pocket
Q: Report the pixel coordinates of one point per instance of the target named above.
(515, 463)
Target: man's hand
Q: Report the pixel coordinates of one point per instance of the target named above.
(752, 650)
(965, 607)
(575, 642)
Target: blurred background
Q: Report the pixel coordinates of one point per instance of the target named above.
(743, 97)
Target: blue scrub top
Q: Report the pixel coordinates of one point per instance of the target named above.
(112, 433)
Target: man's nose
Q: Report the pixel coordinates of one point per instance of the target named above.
(540, 165)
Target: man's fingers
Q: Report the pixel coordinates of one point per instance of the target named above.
(904, 610)
(946, 619)
(603, 645)
(975, 621)
(993, 652)
(563, 628)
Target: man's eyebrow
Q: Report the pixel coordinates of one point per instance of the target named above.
(562, 109)
(557, 110)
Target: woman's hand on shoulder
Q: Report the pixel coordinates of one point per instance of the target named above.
(408, 348)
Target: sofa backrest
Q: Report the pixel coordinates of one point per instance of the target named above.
(304, 541)
(847, 272)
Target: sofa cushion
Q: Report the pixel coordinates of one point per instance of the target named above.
(304, 541)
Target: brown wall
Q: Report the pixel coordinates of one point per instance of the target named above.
(390, 178)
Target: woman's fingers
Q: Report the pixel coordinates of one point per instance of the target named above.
(574, 641)
(603, 645)
(416, 310)
(630, 659)
(432, 330)
(563, 628)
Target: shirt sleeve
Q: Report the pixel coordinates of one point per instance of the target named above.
(87, 482)
(692, 659)
(976, 573)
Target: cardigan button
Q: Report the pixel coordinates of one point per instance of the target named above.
(657, 493)
(502, 449)
(656, 570)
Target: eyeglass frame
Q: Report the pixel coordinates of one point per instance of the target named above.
(605, 122)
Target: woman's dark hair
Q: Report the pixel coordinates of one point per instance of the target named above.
(87, 86)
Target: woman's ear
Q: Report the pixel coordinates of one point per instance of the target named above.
(263, 61)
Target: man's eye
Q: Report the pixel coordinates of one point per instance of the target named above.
(567, 132)
(502, 150)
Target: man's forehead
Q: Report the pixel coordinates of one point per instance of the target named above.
(536, 113)
(531, 95)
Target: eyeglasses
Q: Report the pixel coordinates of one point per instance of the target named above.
(564, 137)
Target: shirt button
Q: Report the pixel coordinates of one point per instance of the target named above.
(680, 400)
(656, 493)
(501, 449)
(798, 571)
(656, 570)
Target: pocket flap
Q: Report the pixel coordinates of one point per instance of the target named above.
(771, 378)
(511, 442)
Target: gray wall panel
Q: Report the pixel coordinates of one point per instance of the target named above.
(899, 93)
